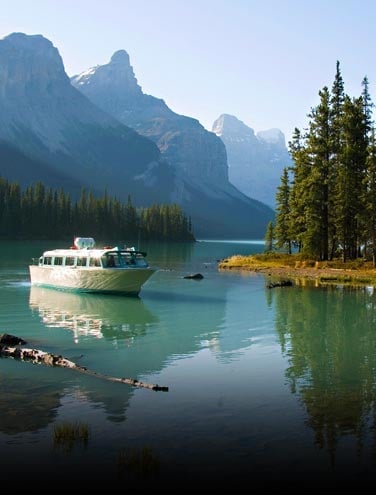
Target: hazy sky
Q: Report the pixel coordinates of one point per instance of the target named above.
(263, 61)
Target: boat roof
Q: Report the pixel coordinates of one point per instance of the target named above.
(76, 252)
(92, 253)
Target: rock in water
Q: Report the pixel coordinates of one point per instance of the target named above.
(196, 276)
(7, 339)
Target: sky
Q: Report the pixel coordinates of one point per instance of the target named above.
(262, 61)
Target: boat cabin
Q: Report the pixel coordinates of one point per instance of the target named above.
(93, 258)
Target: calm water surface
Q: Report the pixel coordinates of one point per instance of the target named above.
(264, 385)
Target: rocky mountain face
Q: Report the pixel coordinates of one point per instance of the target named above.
(256, 161)
(184, 142)
(198, 156)
(65, 138)
(51, 132)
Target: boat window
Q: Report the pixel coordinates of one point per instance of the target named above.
(126, 258)
(112, 261)
(69, 261)
(141, 261)
(95, 262)
(47, 260)
(58, 260)
(81, 261)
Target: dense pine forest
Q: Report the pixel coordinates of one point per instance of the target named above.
(43, 213)
(326, 203)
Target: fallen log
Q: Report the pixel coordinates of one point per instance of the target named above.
(41, 357)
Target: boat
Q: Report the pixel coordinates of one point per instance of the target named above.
(84, 268)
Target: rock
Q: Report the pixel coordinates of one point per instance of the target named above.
(7, 339)
(282, 283)
(196, 276)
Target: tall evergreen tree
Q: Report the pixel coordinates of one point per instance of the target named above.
(348, 195)
(336, 114)
(269, 237)
(370, 198)
(300, 171)
(282, 228)
(318, 148)
(367, 107)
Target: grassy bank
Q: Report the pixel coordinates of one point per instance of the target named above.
(358, 272)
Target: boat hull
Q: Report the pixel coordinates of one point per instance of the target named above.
(127, 281)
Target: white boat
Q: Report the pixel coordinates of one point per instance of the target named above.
(85, 268)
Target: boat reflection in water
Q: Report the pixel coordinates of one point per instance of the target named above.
(91, 315)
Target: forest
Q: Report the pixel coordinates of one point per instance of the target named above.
(326, 202)
(38, 212)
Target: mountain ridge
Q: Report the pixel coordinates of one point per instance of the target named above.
(48, 120)
(256, 160)
(52, 132)
(198, 156)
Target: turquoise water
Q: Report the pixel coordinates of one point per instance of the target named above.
(264, 385)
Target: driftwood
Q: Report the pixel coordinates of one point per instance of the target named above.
(42, 357)
(282, 283)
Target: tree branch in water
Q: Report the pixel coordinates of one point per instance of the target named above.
(9, 347)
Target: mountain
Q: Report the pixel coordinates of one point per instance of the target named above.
(182, 140)
(50, 132)
(198, 156)
(256, 161)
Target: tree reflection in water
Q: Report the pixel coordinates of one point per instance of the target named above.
(328, 335)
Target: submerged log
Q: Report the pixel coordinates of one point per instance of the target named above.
(42, 357)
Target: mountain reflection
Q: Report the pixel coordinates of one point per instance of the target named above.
(329, 338)
(32, 396)
(111, 317)
(25, 404)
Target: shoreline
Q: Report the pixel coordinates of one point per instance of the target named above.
(324, 275)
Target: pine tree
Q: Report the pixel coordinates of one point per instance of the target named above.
(349, 194)
(299, 172)
(367, 107)
(369, 131)
(318, 149)
(282, 229)
(336, 115)
(269, 238)
(370, 198)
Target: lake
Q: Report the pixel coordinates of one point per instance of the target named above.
(265, 385)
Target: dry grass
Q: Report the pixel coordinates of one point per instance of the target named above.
(142, 461)
(357, 272)
(65, 435)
